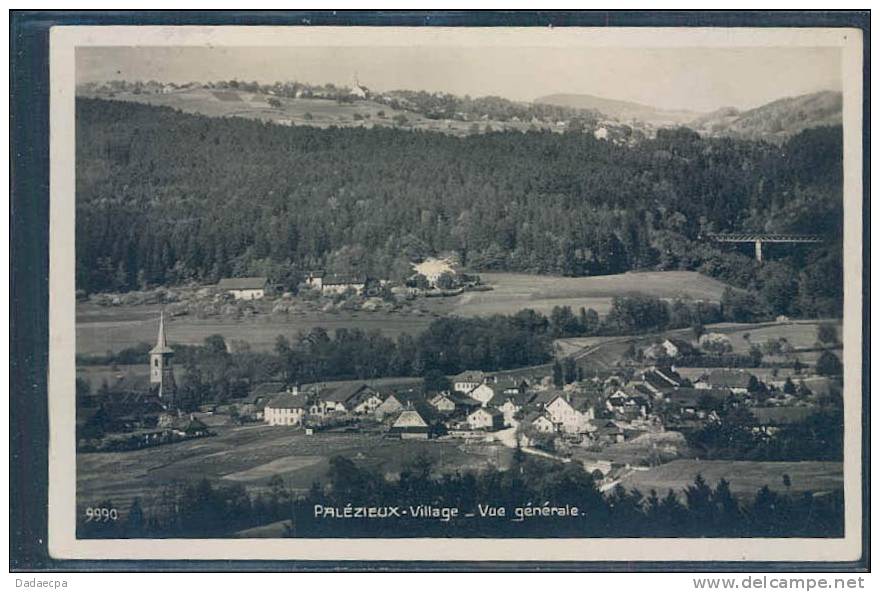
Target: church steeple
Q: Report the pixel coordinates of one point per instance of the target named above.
(161, 341)
(161, 373)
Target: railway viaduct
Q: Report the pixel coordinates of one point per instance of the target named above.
(759, 238)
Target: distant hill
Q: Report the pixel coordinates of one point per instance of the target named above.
(774, 121)
(622, 111)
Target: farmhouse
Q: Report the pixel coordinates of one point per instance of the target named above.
(415, 422)
(486, 418)
(738, 381)
(397, 400)
(661, 379)
(357, 398)
(339, 284)
(468, 380)
(286, 409)
(246, 288)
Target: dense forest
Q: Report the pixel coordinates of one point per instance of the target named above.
(200, 509)
(165, 197)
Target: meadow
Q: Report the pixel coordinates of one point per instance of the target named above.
(251, 455)
(514, 291)
(745, 477)
(103, 328)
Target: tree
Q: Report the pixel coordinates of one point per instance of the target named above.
(698, 330)
(446, 281)
(827, 333)
(421, 282)
(558, 378)
(829, 365)
(435, 381)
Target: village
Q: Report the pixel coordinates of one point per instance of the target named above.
(586, 416)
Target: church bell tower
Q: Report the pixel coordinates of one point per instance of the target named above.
(161, 373)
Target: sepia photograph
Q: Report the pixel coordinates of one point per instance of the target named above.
(476, 284)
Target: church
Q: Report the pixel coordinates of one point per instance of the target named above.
(161, 372)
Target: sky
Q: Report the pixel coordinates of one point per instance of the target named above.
(697, 79)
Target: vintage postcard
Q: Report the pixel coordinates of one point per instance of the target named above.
(456, 294)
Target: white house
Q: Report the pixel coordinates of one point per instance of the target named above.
(564, 414)
(246, 288)
(486, 418)
(468, 381)
(286, 409)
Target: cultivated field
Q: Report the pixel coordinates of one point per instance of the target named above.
(745, 477)
(513, 291)
(251, 455)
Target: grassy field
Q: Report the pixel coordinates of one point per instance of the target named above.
(745, 477)
(251, 455)
(513, 291)
(114, 328)
(103, 328)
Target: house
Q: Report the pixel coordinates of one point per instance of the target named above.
(540, 422)
(492, 388)
(395, 401)
(769, 420)
(486, 418)
(246, 288)
(416, 421)
(509, 404)
(252, 406)
(190, 428)
(356, 398)
(340, 284)
(315, 279)
(738, 381)
(468, 380)
(286, 409)
(609, 433)
(661, 379)
(675, 348)
(563, 414)
(627, 404)
(449, 403)
(695, 401)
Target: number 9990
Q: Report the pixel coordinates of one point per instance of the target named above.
(101, 514)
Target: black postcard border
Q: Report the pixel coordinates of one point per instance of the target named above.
(29, 270)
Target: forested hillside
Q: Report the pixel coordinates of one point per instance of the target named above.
(166, 197)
